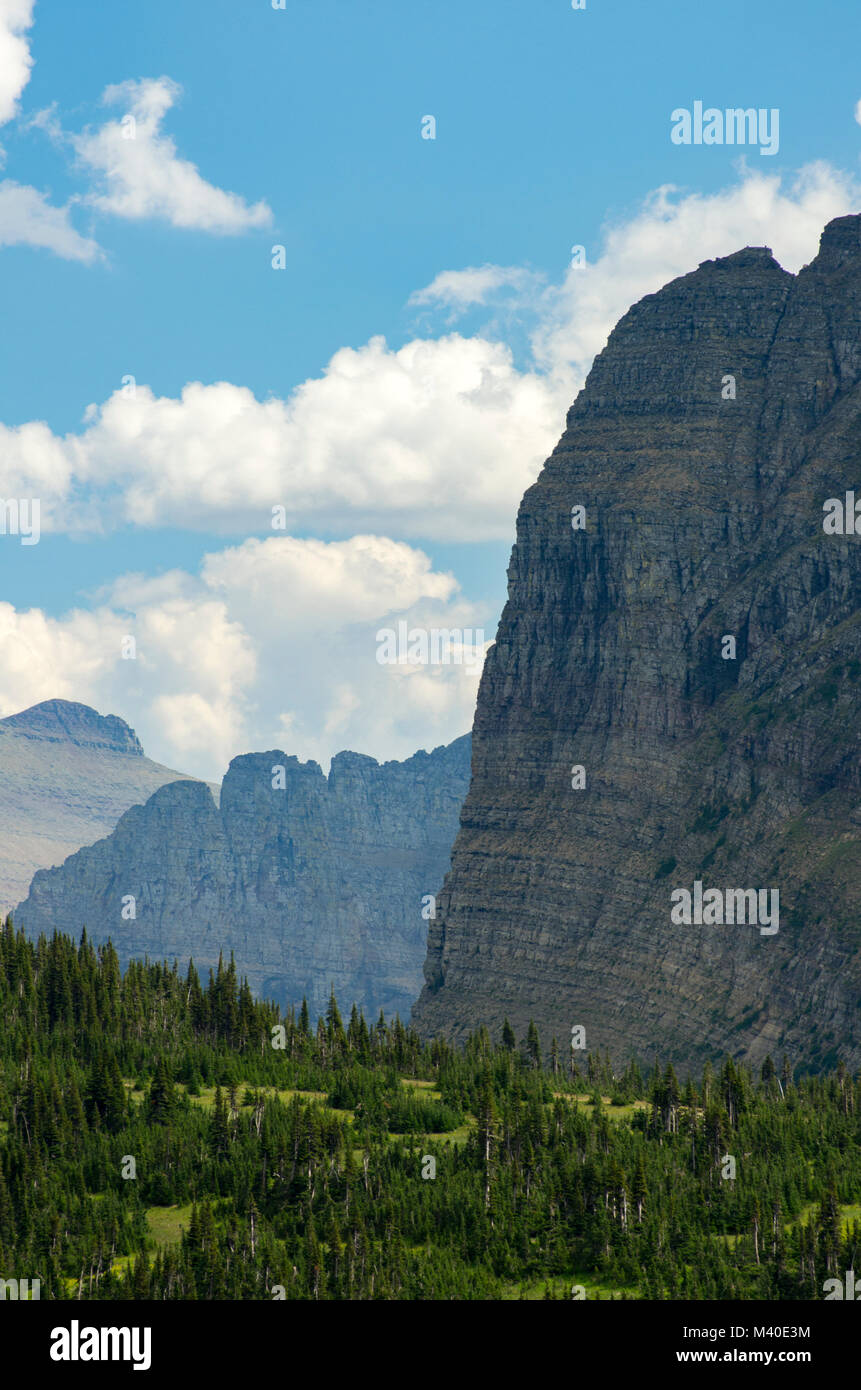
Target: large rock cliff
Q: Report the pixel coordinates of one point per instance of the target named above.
(310, 881)
(67, 774)
(721, 416)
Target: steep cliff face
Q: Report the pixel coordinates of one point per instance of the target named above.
(310, 881)
(722, 414)
(67, 774)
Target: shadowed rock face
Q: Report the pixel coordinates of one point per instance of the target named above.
(704, 518)
(313, 883)
(67, 774)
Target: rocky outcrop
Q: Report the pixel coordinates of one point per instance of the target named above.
(311, 881)
(721, 416)
(67, 774)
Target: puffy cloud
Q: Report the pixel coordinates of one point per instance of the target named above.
(670, 235)
(45, 659)
(571, 321)
(186, 685)
(28, 219)
(33, 461)
(139, 171)
(141, 174)
(314, 609)
(273, 643)
(26, 216)
(16, 16)
(304, 582)
(438, 439)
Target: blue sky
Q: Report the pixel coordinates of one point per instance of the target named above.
(552, 129)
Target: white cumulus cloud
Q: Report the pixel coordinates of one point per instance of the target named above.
(190, 654)
(437, 439)
(670, 235)
(28, 219)
(26, 216)
(140, 174)
(16, 17)
(271, 644)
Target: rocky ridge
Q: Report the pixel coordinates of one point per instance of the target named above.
(67, 774)
(310, 881)
(723, 413)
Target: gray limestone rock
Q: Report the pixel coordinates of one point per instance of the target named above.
(311, 881)
(704, 518)
(67, 774)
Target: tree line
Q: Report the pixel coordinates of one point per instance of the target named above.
(298, 1152)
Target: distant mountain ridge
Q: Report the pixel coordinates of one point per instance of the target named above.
(311, 881)
(63, 721)
(67, 774)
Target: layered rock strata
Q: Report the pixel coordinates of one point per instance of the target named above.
(722, 415)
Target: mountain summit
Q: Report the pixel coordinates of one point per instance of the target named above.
(64, 721)
(67, 774)
(673, 703)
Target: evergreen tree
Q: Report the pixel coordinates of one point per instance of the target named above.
(533, 1045)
